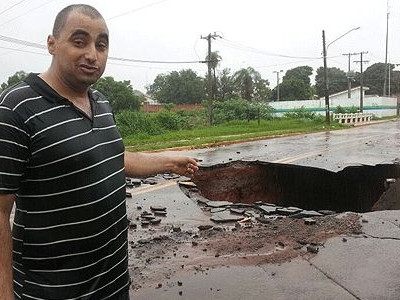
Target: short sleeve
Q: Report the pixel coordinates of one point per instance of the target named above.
(14, 150)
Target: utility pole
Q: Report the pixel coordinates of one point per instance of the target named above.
(277, 83)
(386, 52)
(361, 61)
(326, 91)
(209, 38)
(348, 75)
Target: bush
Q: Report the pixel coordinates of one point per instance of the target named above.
(168, 120)
(301, 113)
(342, 110)
(240, 109)
(136, 122)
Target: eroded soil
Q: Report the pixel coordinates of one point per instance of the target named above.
(168, 250)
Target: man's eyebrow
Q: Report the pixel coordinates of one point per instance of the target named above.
(103, 36)
(79, 32)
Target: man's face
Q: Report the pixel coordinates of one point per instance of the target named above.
(80, 51)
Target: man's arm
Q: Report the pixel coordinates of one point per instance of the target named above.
(6, 272)
(143, 164)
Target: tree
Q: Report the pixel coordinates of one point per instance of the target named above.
(14, 79)
(180, 87)
(374, 78)
(214, 59)
(249, 85)
(225, 85)
(262, 92)
(295, 89)
(296, 84)
(119, 93)
(337, 81)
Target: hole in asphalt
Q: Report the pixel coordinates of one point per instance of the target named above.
(355, 188)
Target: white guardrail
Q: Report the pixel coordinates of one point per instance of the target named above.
(353, 118)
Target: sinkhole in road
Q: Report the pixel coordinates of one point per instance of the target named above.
(355, 188)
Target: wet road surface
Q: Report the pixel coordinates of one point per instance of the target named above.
(333, 150)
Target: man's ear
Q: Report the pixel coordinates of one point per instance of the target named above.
(51, 44)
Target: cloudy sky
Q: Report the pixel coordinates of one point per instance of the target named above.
(266, 35)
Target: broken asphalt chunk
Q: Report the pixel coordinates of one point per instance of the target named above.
(150, 181)
(205, 227)
(288, 211)
(160, 213)
(237, 211)
(225, 217)
(307, 214)
(217, 210)
(309, 221)
(327, 212)
(155, 221)
(158, 208)
(312, 248)
(216, 204)
(267, 209)
(188, 183)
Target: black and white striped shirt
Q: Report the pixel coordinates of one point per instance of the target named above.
(67, 170)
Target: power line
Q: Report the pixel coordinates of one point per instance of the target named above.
(12, 6)
(21, 42)
(155, 61)
(40, 46)
(136, 9)
(35, 8)
(242, 47)
(21, 50)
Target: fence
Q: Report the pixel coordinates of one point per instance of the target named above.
(352, 118)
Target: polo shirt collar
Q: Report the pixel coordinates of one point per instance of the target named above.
(43, 89)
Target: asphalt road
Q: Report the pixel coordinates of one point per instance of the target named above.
(331, 150)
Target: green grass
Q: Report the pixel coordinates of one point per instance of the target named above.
(232, 131)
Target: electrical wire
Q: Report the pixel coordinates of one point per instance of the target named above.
(136, 9)
(155, 61)
(21, 42)
(40, 46)
(242, 47)
(22, 50)
(12, 6)
(33, 9)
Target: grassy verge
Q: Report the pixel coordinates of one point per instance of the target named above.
(233, 131)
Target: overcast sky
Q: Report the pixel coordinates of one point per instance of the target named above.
(266, 35)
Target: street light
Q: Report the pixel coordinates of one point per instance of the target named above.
(277, 83)
(327, 116)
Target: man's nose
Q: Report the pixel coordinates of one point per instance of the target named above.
(91, 53)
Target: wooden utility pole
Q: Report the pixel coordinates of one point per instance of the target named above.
(210, 89)
(361, 61)
(348, 75)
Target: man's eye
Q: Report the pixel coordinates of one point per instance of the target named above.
(102, 46)
(79, 43)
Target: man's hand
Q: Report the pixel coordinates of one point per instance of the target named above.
(6, 273)
(185, 166)
(142, 164)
